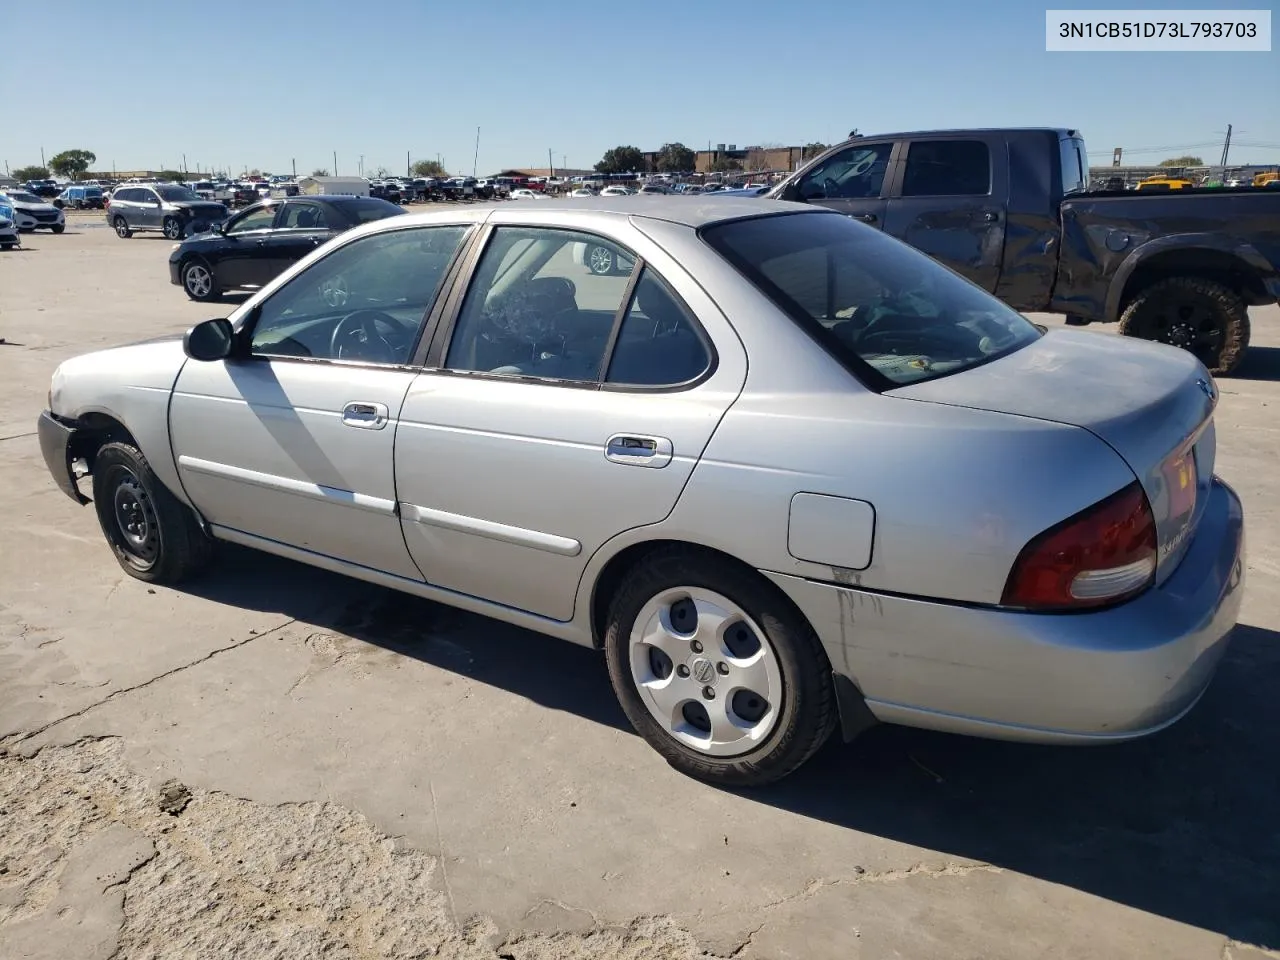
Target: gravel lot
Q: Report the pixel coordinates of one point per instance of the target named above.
(275, 762)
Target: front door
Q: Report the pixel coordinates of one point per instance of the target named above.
(245, 260)
(852, 181)
(148, 214)
(564, 408)
(292, 439)
(951, 206)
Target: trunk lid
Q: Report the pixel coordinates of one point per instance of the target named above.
(1150, 403)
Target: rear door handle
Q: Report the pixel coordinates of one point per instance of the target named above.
(864, 217)
(633, 450)
(365, 416)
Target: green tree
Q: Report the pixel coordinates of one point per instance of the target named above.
(33, 172)
(621, 160)
(171, 175)
(319, 172)
(675, 157)
(72, 163)
(723, 164)
(428, 168)
(1187, 161)
(812, 150)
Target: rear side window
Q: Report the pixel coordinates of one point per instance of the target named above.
(658, 344)
(947, 168)
(885, 310)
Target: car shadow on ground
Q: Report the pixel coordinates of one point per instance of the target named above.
(1182, 824)
(1259, 363)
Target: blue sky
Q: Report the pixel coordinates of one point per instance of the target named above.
(237, 84)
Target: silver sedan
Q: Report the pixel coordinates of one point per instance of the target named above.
(790, 474)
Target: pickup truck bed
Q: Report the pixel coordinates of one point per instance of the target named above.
(1010, 210)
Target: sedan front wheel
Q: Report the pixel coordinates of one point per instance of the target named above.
(717, 670)
(154, 536)
(198, 282)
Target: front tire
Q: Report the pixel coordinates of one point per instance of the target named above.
(1199, 315)
(198, 281)
(58, 227)
(154, 536)
(717, 670)
(121, 227)
(174, 229)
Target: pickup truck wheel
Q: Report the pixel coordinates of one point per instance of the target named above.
(716, 670)
(1201, 316)
(154, 536)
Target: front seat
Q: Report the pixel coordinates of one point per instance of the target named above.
(307, 219)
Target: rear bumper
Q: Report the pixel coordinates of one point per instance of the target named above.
(1113, 674)
(56, 440)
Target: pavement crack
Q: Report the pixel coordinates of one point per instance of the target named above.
(949, 869)
(125, 691)
(440, 852)
(737, 951)
(566, 907)
(16, 436)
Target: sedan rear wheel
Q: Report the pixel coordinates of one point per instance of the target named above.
(717, 670)
(198, 282)
(122, 228)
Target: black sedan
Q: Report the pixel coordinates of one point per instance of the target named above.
(257, 244)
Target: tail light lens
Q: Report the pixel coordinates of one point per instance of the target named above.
(1100, 556)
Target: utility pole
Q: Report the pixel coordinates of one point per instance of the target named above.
(407, 171)
(551, 165)
(184, 164)
(335, 163)
(475, 161)
(1226, 147)
(294, 162)
(42, 160)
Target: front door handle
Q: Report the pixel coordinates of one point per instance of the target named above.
(633, 450)
(864, 217)
(365, 416)
(991, 217)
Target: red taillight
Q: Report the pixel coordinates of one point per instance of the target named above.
(1101, 555)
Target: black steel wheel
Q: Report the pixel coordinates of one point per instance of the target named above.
(1201, 316)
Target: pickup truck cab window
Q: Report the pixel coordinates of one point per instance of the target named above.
(852, 174)
(947, 168)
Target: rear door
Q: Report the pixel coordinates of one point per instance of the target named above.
(558, 409)
(853, 181)
(950, 203)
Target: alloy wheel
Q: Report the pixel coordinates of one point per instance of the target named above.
(198, 281)
(705, 671)
(600, 260)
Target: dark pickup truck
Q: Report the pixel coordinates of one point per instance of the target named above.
(1010, 210)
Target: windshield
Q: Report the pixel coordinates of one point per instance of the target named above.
(882, 308)
(175, 194)
(23, 197)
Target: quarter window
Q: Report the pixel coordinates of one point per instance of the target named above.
(364, 302)
(947, 168)
(542, 304)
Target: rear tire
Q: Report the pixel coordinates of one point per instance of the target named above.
(1199, 315)
(154, 536)
(799, 710)
(121, 227)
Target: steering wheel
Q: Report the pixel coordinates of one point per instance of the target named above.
(357, 337)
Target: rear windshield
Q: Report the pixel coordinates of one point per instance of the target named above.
(368, 209)
(888, 312)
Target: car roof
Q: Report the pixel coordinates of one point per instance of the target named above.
(686, 211)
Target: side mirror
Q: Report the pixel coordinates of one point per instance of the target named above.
(218, 227)
(210, 340)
